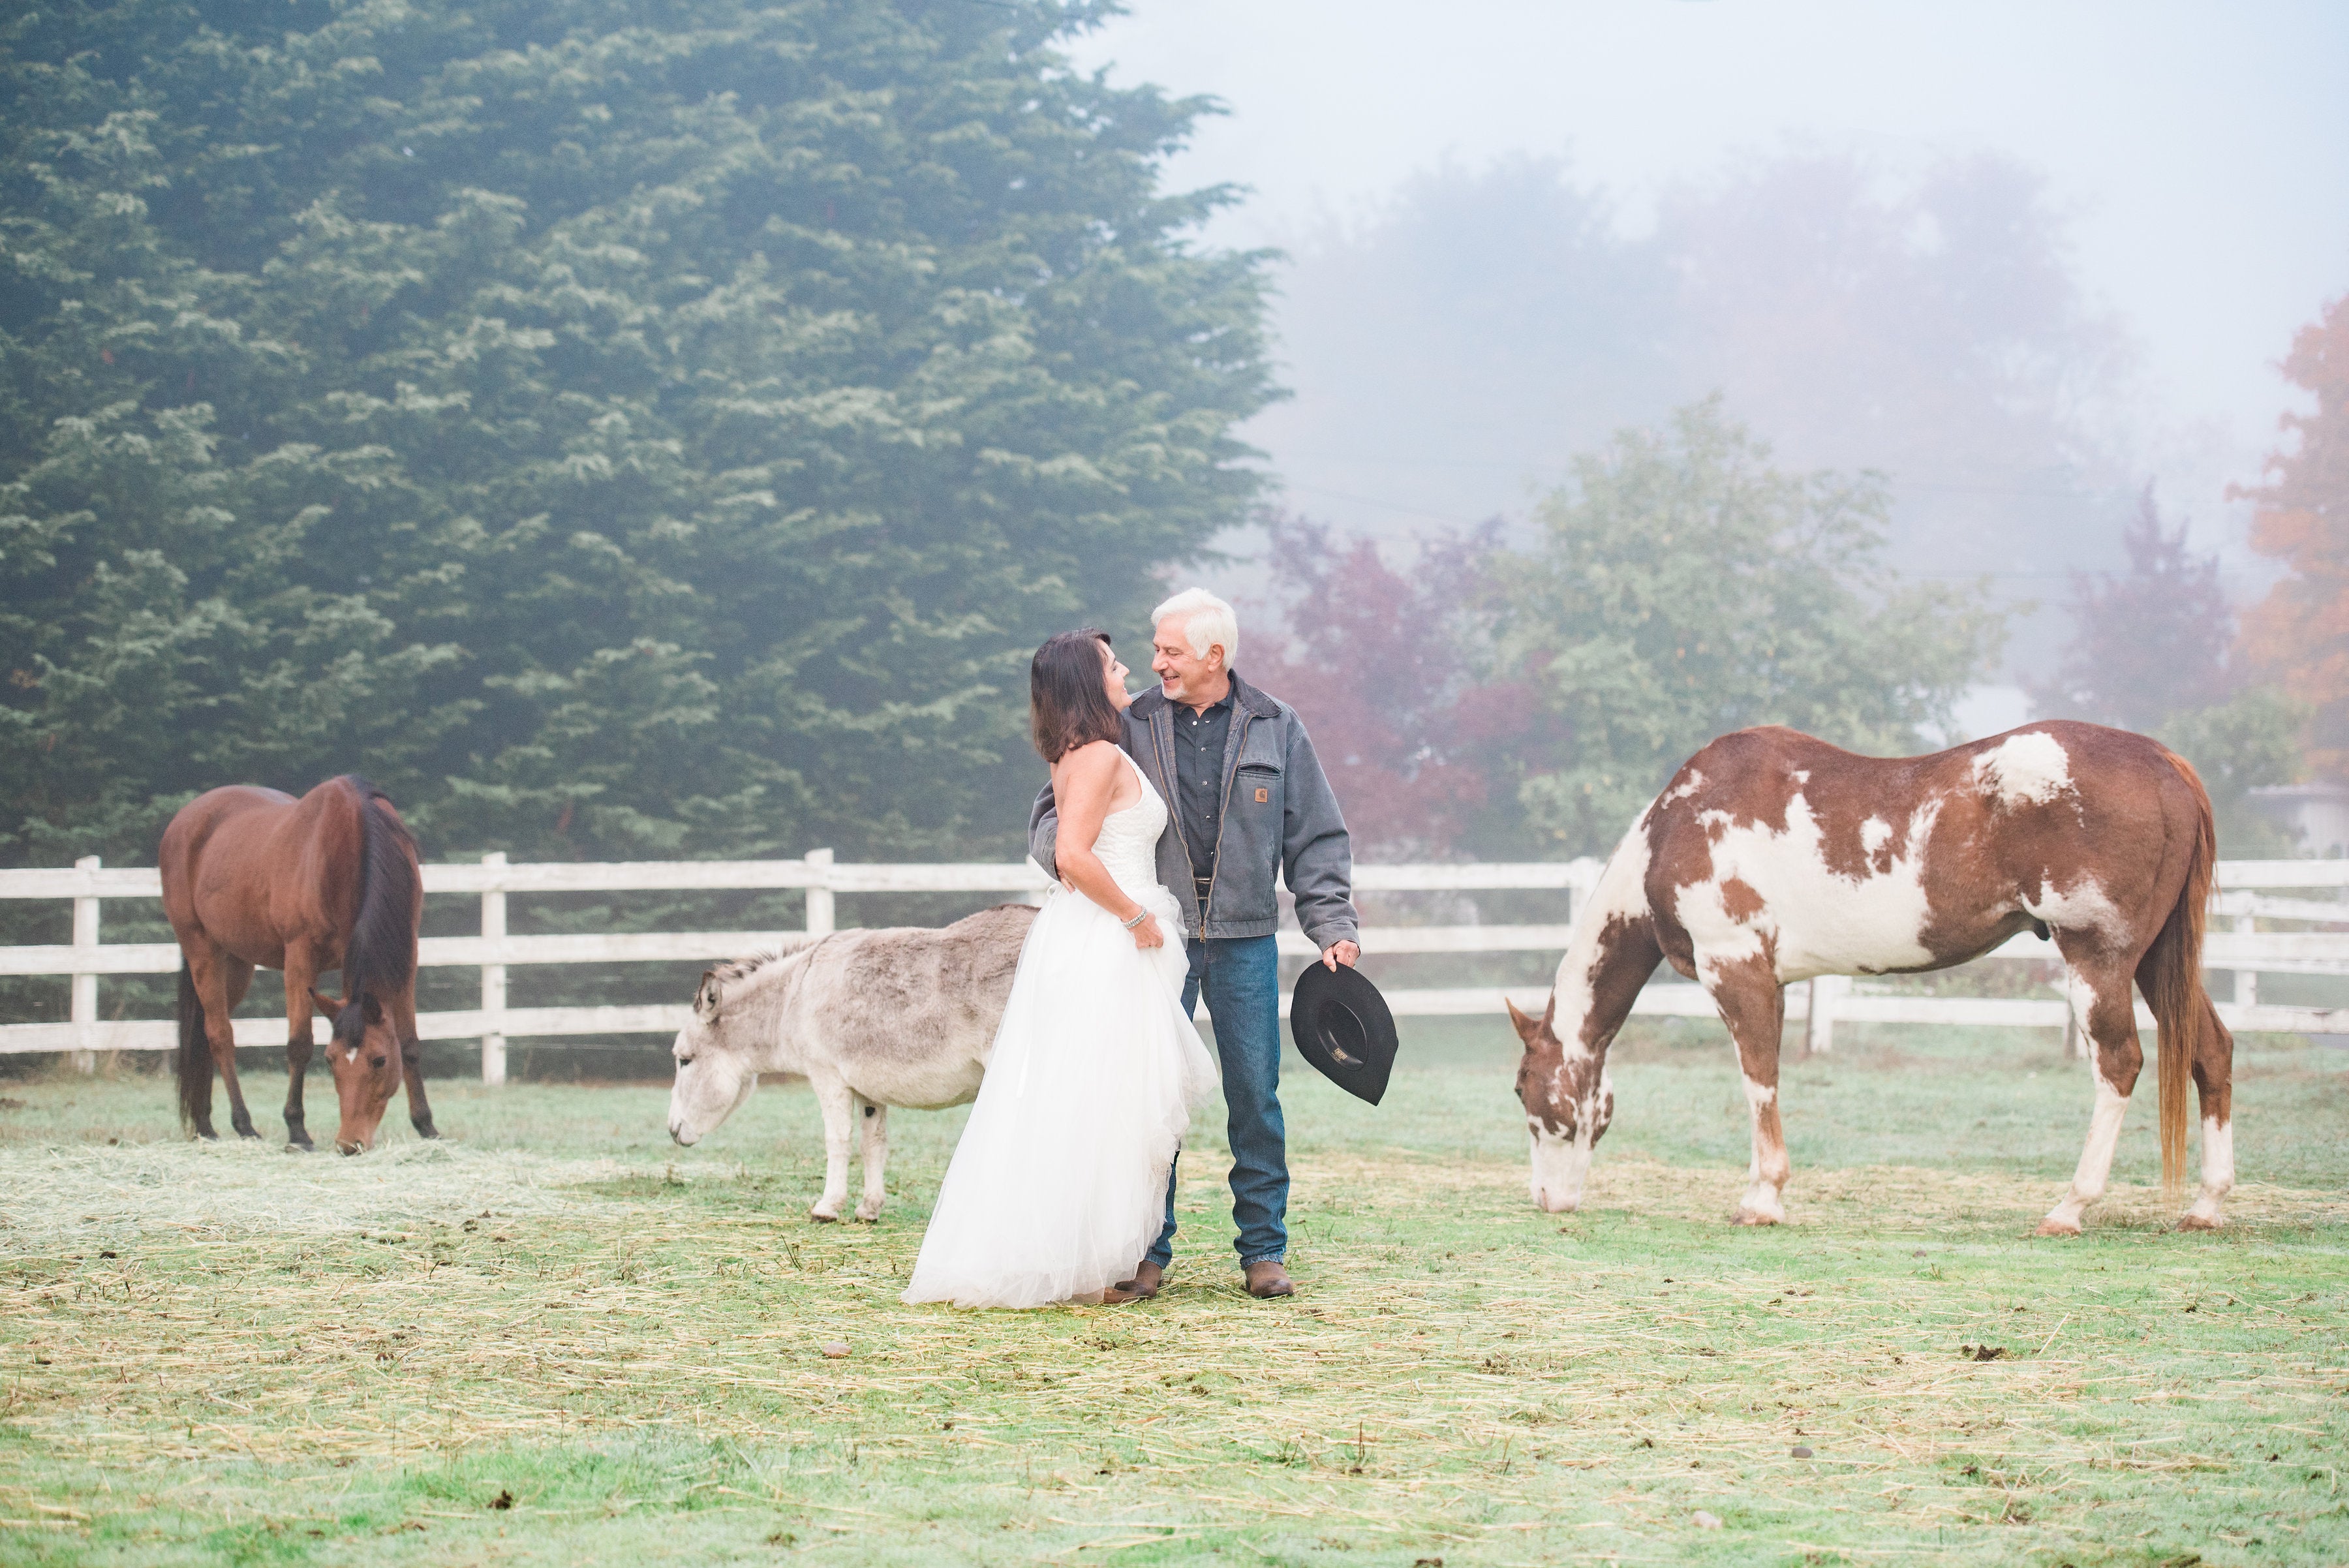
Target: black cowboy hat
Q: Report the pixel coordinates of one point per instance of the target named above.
(1342, 1026)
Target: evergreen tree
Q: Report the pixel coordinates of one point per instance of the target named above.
(624, 428)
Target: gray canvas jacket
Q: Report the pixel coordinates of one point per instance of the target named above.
(1278, 814)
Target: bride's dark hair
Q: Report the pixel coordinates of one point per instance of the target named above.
(1068, 698)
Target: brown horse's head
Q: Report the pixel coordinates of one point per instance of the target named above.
(1569, 1103)
(365, 1055)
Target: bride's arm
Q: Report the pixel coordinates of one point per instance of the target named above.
(1083, 781)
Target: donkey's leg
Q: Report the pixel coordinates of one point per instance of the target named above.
(1754, 1004)
(876, 1120)
(2214, 1077)
(838, 1102)
(412, 1064)
(2107, 1010)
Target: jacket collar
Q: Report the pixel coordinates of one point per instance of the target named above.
(1246, 698)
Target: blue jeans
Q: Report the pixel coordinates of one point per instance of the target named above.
(1241, 976)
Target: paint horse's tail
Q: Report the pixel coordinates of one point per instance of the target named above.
(2170, 975)
(193, 1066)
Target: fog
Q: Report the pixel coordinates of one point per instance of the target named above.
(2023, 260)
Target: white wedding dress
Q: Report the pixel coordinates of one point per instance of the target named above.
(1059, 1185)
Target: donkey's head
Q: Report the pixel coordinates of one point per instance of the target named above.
(1569, 1103)
(717, 1067)
(364, 1054)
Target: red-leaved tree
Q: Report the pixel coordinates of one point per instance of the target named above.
(2300, 633)
(1386, 667)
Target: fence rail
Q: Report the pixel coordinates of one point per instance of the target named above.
(2246, 895)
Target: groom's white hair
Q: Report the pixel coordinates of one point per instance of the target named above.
(1207, 620)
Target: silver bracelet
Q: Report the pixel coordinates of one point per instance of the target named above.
(1139, 916)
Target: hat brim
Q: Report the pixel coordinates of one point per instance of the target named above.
(1343, 1028)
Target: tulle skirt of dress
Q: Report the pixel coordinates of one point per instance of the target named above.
(1059, 1185)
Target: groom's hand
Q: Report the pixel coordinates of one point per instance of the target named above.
(1337, 953)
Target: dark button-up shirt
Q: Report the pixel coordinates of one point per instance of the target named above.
(1199, 778)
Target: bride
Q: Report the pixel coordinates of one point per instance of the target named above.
(1060, 1180)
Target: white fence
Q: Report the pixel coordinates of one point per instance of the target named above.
(2248, 896)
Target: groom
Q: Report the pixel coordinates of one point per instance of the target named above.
(1246, 798)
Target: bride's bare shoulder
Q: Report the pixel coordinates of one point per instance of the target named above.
(1090, 765)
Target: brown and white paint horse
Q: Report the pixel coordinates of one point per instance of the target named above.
(1773, 858)
(254, 877)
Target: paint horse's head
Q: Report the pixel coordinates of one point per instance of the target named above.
(1568, 1102)
(716, 1066)
(363, 1054)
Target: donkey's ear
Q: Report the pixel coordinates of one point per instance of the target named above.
(705, 997)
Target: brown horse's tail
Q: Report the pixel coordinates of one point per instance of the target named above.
(191, 1067)
(2170, 975)
(379, 958)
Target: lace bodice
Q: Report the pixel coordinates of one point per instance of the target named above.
(1128, 845)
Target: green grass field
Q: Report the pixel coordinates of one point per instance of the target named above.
(553, 1338)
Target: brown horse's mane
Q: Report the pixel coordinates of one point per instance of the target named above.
(379, 959)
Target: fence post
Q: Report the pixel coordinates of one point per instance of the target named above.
(1818, 1030)
(2247, 980)
(494, 981)
(85, 986)
(818, 894)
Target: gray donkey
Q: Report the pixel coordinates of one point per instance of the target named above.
(900, 1016)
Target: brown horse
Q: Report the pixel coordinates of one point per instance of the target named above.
(1773, 858)
(253, 876)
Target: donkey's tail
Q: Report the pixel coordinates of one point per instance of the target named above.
(2170, 975)
(192, 1066)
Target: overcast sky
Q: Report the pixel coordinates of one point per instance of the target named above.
(2202, 151)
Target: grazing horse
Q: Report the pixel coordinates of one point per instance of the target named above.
(1773, 858)
(902, 1016)
(254, 877)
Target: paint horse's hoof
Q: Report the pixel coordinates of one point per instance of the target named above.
(2193, 1221)
(820, 1218)
(2054, 1227)
(1755, 1217)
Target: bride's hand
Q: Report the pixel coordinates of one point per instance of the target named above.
(1148, 934)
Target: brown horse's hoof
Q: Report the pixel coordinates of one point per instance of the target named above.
(2050, 1228)
(425, 1128)
(1747, 1216)
(2197, 1222)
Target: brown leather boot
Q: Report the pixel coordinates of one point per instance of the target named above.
(1267, 1278)
(1147, 1277)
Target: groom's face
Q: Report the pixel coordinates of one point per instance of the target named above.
(1181, 673)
